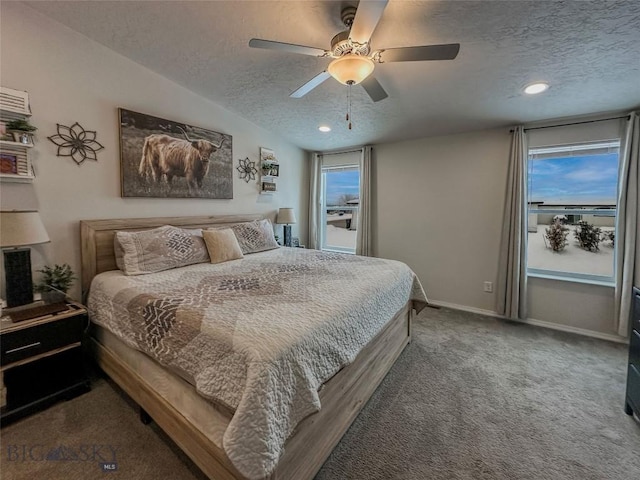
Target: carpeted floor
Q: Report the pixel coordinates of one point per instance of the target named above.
(470, 398)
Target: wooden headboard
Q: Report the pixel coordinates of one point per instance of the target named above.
(96, 237)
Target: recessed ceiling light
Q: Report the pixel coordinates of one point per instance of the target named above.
(537, 87)
(324, 128)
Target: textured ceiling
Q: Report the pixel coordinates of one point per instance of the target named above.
(589, 51)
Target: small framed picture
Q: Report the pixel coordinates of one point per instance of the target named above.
(275, 170)
(267, 155)
(268, 187)
(8, 163)
(295, 241)
(4, 135)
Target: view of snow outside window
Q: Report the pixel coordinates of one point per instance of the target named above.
(572, 205)
(341, 200)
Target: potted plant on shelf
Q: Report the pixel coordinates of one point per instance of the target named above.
(22, 130)
(266, 168)
(55, 283)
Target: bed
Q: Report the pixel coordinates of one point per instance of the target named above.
(201, 427)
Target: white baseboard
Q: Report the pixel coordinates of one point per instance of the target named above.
(580, 331)
(532, 321)
(464, 308)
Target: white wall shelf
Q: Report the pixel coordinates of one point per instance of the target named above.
(271, 180)
(10, 144)
(269, 171)
(12, 177)
(16, 163)
(14, 104)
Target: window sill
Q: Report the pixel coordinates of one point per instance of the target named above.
(337, 250)
(560, 278)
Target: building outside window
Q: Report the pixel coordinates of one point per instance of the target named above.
(574, 186)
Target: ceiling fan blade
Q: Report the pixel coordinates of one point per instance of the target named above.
(448, 51)
(374, 89)
(287, 47)
(367, 17)
(310, 85)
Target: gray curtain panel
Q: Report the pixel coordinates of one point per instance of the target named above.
(511, 288)
(363, 227)
(627, 236)
(315, 207)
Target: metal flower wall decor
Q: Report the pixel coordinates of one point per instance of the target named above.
(247, 169)
(76, 142)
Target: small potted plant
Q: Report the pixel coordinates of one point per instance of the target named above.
(266, 168)
(22, 130)
(55, 283)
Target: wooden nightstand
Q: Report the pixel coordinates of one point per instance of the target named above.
(41, 361)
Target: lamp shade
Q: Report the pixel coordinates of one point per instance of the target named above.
(351, 68)
(286, 216)
(18, 229)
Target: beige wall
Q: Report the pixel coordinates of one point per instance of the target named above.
(577, 305)
(73, 79)
(439, 208)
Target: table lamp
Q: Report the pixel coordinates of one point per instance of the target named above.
(19, 229)
(286, 217)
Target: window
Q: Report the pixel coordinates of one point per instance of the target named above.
(340, 201)
(575, 188)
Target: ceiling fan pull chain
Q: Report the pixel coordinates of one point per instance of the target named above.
(349, 104)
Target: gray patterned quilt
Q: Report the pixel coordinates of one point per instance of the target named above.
(259, 335)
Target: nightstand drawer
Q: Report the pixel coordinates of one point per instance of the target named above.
(633, 386)
(635, 309)
(634, 349)
(29, 342)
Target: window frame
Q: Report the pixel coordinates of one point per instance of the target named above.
(324, 207)
(570, 151)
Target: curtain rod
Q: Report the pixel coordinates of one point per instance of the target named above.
(340, 153)
(575, 123)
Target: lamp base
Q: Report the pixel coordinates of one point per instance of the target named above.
(287, 235)
(17, 268)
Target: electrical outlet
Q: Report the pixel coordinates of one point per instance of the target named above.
(488, 287)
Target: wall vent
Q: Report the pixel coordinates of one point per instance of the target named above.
(14, 103)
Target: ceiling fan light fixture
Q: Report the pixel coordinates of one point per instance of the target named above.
(351, 68)
(535, 88)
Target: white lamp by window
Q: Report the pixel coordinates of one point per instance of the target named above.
(20, 229)
(286, 217)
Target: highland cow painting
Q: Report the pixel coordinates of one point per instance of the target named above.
(167, 159)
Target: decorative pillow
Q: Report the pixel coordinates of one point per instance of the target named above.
(222, 245)
(255, 236)
(158, 249)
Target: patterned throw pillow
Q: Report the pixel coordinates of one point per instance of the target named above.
(159, 249)
(256, 236)
(222, 245)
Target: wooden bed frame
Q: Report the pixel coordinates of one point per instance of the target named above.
(342, 397)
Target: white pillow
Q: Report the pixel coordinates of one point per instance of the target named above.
(256, 236)
(158, 249)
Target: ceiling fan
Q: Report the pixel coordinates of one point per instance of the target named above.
(353, 59)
